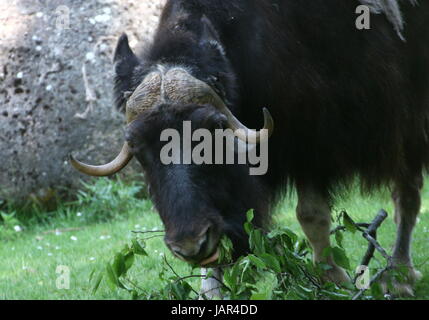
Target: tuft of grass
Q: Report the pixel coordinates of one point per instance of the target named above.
(10, 226)
(104, 199)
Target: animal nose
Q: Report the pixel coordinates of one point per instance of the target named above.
(192, 249)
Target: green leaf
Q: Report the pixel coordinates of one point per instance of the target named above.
(180, 290)
(336, 295)
(112, 279)
(250, 215)
(257, 241)
(134, 295)
(248, 228)
(231, 278)
(257, 262)
(271, 262)
(348, 286)
(260, 296)
(119, 265)
(301, 246)
(349, 223)
(228, 280)
(209, 273)
(340, 257)
(138, 248)
(284, 232)
(91, 274)
(339, 239)
(308, 290)
(97, 283)
(235, 271)
(377, 291)
(244, 264)
(129, 261)
(225, 252)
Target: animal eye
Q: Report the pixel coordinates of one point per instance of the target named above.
(127, 94)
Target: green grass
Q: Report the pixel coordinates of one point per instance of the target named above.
(102, 226)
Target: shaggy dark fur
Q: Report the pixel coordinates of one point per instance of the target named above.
(187, 196)
(346, 103)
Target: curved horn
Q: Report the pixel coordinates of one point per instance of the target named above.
(109, 169)
(240, 130)
(203, 92)
(244, 133)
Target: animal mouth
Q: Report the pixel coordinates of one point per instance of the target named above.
(211, 259)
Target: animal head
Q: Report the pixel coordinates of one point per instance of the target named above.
(185, 77)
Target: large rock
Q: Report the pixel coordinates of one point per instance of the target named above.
(46, 110)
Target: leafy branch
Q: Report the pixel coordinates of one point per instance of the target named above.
(279, 255)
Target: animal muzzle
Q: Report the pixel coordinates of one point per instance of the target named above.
(174, 85)
(202, 250)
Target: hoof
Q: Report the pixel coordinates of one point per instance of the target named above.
(399, 282)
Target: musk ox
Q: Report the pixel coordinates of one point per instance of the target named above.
(346, 104)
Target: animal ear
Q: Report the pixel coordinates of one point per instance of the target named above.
(123, 50)
(209, 35)
(125, 62)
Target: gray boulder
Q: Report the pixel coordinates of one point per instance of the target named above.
(56, 78)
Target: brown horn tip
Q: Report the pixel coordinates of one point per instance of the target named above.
(122, 159)
(268, 122)
(252, 136)
(255, 137)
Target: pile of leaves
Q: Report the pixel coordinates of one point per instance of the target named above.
(280, 255)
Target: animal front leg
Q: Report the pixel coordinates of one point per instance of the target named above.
(406, 198)
(210, 288)
(314, 215)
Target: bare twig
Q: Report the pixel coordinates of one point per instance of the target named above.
(370, 234)
(134, 284)
(372, 231)
(312, 279)
(153, 237)
(373, 279)
(358, 226)
(198, 276)
(90, 96)
(171, 268)
(377, 246)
